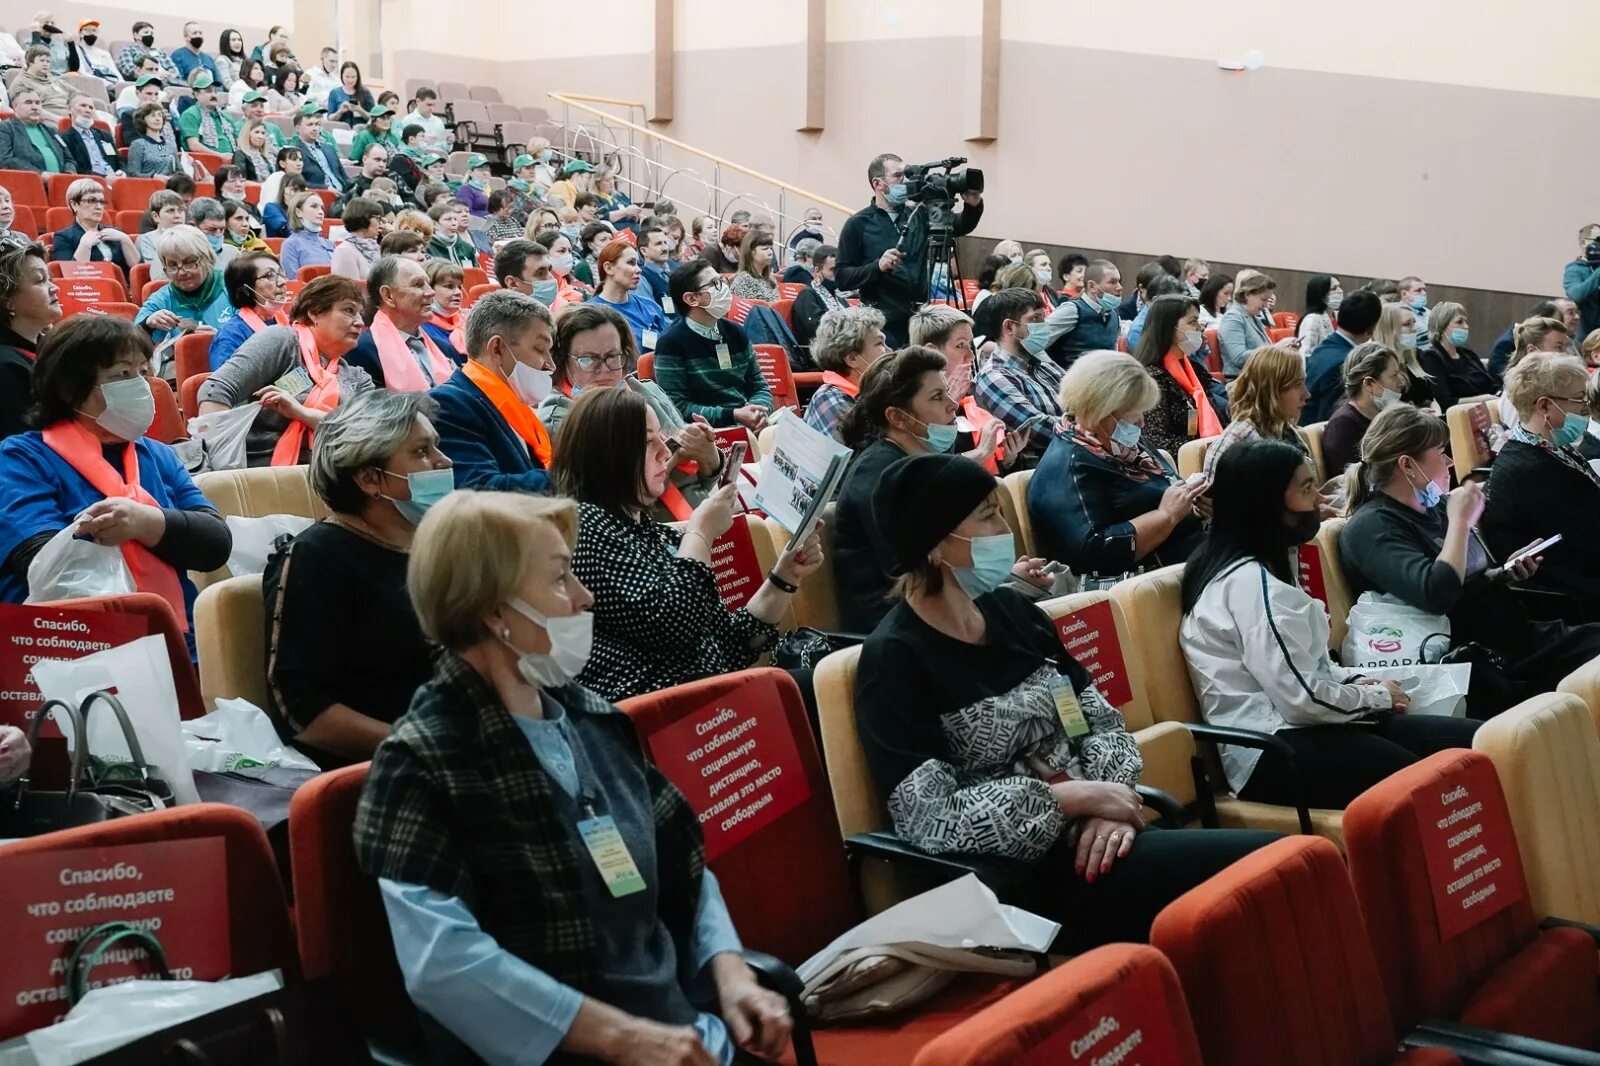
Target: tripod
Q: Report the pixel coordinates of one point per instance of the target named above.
(939, 249)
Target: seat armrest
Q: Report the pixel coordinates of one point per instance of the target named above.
(1251, 738)
(1571, 923)
(778, 976)
(1173, 813)
(1011, 880)
(1474, 1045)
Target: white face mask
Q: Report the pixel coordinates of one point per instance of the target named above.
(130, 408)
(571, 639)
(1191, 342)
(721, 302)
(1386, 399)
(530, 384)
(1334, 300)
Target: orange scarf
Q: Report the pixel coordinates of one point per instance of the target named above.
(842, 383)
(452, 325)
(400, 370)
(254, 321)
(324, 396)
(1182, 372)
(82, 451)
(518, 415)
(981, 419)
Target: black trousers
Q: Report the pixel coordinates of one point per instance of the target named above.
(1120, 906)
(1336, 763)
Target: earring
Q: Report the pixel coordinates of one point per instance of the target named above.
(505, 632)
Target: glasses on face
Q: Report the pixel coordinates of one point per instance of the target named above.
(182, 266)
(1581, 405)
(271, 275)
(613, 360)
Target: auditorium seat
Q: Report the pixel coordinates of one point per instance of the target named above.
(69, 270)
(646, 366)
(1466, 449)
(256, 492)
(1014, 504)
(817, 603)
(1491, 967)
(1584, 683)
(1119, 1003)
(80, 292)
(151, 287)
(774, 364)
(188, 388)
(192, 355)
(1214, 354)
(1312, 435)
(1548, 758)
(1150, 606)
(163, 621)
(230, 637)
(56, 188)
(312, 273)
(26, 187)
(1337, 589)
(133, 194)
(1192, 456)
(477, 292)
(1286, 320)
(1276, 966)
(170, 426)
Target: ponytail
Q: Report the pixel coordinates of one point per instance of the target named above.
(1356, 489)
(1398, 431)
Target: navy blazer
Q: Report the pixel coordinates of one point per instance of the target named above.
(319, 163)
(486, 451)
(1325, 377)
(365, 355)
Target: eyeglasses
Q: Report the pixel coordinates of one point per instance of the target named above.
(185, 265)
(1580, 403)
(88, 200)
(272, 275)
(610, 360)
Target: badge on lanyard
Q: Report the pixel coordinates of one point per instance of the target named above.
(610, 855)
(724, 357)
(295, 383)
(649, 340)
(666, 305)
(1068, 709)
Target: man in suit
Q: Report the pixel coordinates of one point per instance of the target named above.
(1358, 317)
(28, 142)
(93, 150)
(323, 169)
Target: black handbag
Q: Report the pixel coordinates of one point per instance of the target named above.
(97, 791)
(804, 648)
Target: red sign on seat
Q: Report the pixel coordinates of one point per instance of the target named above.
(1090, 636)
(736, 762)
(1470, 848)
(1310, 574)
(1130, 1023)
(735, 566)
(29, 633)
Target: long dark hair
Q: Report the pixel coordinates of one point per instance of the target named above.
(1247, 515)
(1317, 288)
(600, 454)
(892, 381)
(1161, 319)
(1211, 290)
(224, 50)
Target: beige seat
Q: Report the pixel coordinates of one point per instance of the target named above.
(255, 493)
(1464, 449)
(1584, 683)
(1151, 609)
(1192, 456)
(817, 603)
(1547, 755)
(1312, 435)
(1014, 505)
(1333, 582)
(230, 635)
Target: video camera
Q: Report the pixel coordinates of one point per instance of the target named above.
(1591, 254)
(936, 181)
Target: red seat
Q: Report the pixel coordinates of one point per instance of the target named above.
(1286, 320)
(1488, 966)
(646, 368)
(23, 221)
(774, 363)
(211, 161)
(25, 186)
(91, 289)
(339, 917)
(121, 310)
(151, 288)
(312, 273)
(170, 426)
(133, 194)
(328, 196)
(1275, 962)
(58, 218)
(275, 243)
(161, 619)
(1061, 1017)
(1214, 355)
(128, 222)
(192, 355)
(476, 291)
(788, 290)
(189, 394)
(1275, 335)
(473, 276)
(56, 188)
(785, 309)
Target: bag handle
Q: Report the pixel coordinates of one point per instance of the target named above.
(84, 958)
(135, 752)
(192, 1052)
(80, 749)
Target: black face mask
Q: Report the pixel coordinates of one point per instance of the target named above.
(196, 42)
(89, 39)
(1299, 527)
(147, 39)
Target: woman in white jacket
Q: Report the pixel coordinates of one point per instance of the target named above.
(1257, 648)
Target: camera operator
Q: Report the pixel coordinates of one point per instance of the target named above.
(892, 274)
(1581, 279)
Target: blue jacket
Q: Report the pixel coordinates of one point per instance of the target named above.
(486, 451)
(320, 161)
(1325, 377)
(657, 279)
(1581, 284)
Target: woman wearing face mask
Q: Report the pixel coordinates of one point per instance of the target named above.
(305, 245)
(1455, 369)
(1531, 335)
(568, 286)
(905, 408)
(1408, 537)
(507, 765)
(1038, 261)
(1215, 296)
(28, 306)
(1540, 486)
(1101, 500)
(984, 736)
(238, 231)
(88, 239)
(90, 466)
(1257, 648)
(1397, 331)
(195, 297)
(820, 296)
(846, 344)
(445, 322)
(1373, 381)
(259, 293)
(398, 351)
(1324, 294)
(755, 279)
(1193, 404)
(1239, 331)
(724, 253)
(297, 372)
(377, 466)
(617, 269)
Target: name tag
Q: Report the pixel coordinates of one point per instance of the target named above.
(649, 340)
(295, 383)
(611, 856)
(1068, 709)
(666, 305)
(724, 357)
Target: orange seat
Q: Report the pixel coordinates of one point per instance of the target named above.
(121, 310)
(328, 196)
(25, 186)
(476, 291)
(133, 194)
(128, 222)
(647, 367)
(162, 621)
(774, 363)
(788, 290)
(1214, 354)
(138, 277)
(275, 243)
(23, 221)
(192, 355)
(170, 426)
(1286, 320)
(211, 161)
(58, 218)
(189, 394)
(79, 279)
(785, 309)
(1276, 335)
(312, 273)
(473, 276)
(151, 288)
(56, 188)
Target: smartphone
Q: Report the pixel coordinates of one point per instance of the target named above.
(730, 469)
(1053, 568)
(1528, 553)
(1035, 421)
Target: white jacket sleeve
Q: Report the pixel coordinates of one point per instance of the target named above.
(1287, 653)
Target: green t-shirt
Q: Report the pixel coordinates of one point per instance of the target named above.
(215, 123)
(365, 137)
(47, 148)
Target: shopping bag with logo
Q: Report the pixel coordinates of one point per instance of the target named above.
(1385, 631)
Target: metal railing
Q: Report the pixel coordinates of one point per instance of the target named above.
(648, 163)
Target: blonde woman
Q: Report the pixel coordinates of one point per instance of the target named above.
(1239, 331)
(254, 154)
(1537, 334)
(1591, 349)
(1456, 369)
(1265, 402)
(413, 221)
(1397, 330)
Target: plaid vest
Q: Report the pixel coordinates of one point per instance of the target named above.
(457, 801)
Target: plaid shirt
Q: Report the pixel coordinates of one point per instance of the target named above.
(1015, 389)
(457, 801)
(827, 407)
(128, 62)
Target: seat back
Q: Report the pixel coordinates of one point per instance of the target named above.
(1274, 961)
(160, 619)
(775, 849)
(1432, 958)
(1286, 320)
(312, 273)
(1192, 456)
(1061, 1017)
(774, 364)
(57, 218)
(1312, 435)
(1584, 683)
(817, 603)
(170, 425)
(855, 796)
(785, 309)
(24, 221)
(188, 388)
(192, 355)
(26, 187)
(1214, 354)
(1335, 588)
(339, 917)
(1548, 758)
(1152, 609)
(477, 291)
(262, 490)
(1014, 505)
(133, 194)
(1469, 424)
(80, 292)
(230, 630)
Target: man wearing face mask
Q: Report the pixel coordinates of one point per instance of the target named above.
(190, 56)
(889, 269)
(809, 230)
(487, 423)
(524, 266)
(395, 351)
(1087, 323)
(1019, 384)
(1414, 294)
(704, 363)
(346, 652)
(144, 44)
(93, 150)
(85, 56)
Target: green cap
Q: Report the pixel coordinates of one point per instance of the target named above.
(146, 79)
(255, 96)
(523, 160)
(474, 161)
(381, 111)
(204, 80)
(431, 158)
(577, 166)
(311, 107)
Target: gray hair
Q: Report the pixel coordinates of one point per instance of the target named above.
(180, 242)
(806, 248)
(205, 209)
(359, 434)
(841, 332)
(79, 188)
(502, 313)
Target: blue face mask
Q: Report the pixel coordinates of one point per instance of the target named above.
(1419, 302)
(545, 291)
(939, 438)
(1126, 434)
(896, 194)
(216, 241)
(1429, 495)
(427, 488)
(571, 232)
(1458, 336)
(1109, 302)
(1570, 432)
(992, 559)
(1037, 339)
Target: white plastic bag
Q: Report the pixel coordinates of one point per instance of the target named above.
(1436, 688)
(1385, 631)
(224, 434)
(238, 737)
(112, 1016)
(68, 568)
(139, 674)
(253, 539)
